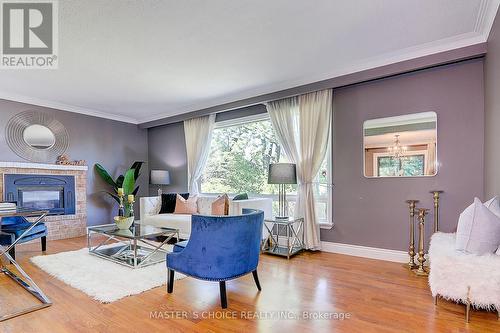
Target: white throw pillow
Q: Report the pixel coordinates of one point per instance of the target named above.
(494, 205)
(478, 230)
(498, 251)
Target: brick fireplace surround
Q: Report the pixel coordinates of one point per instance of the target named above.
(58, 226)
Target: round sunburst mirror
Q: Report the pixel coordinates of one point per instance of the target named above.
(39, 137)
(36, 136)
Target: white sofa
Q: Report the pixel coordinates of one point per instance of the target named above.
(150, 208)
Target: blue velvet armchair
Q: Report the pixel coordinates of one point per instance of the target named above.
(12, 228)
(220, 248)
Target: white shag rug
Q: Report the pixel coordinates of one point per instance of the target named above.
(453, 272)
(101, 279)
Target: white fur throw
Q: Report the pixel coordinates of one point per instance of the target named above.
(452, 272)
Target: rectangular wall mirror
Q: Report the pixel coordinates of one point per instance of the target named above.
(401, 146)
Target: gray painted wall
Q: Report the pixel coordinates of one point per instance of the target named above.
(167, 151)
(372, 212)
(492, 112)
(114, 144)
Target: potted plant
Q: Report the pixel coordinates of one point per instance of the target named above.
(122, 187)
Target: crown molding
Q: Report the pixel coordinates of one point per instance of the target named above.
(481, 14)
(485, 17)
(66, 107)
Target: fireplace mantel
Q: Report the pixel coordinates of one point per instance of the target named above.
(26, 165)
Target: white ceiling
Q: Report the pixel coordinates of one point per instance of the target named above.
(138, 61)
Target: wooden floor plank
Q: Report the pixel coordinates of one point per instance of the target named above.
(378, 296)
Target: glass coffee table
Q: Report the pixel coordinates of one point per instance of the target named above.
(130, 247)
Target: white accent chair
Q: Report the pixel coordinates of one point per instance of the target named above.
(150, 212)
(463, 278)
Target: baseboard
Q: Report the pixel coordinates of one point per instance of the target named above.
(365, 252)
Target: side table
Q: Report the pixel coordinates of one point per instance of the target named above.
(285, 237)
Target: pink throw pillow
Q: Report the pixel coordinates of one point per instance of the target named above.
(183, 206)
(221, 205)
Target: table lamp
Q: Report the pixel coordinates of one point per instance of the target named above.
(282, 174)
(159, 177)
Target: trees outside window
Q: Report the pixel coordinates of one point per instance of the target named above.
(240, 154)
(411, 165)
(239, 159)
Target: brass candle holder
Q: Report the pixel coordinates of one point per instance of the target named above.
(131, 201)
(121, 207)
(411, 247)
(421, 270)
(435, 195)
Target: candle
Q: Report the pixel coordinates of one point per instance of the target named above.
(130, 198)
(120, 192)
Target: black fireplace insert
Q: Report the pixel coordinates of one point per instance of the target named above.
(55, 193)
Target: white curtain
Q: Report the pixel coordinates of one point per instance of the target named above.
(302, 125)
(198, 135)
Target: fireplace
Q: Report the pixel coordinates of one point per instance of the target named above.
(55, 193)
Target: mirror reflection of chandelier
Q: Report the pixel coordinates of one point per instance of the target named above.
(397, 150)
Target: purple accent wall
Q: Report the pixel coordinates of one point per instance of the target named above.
(372, 212)
(116, 145)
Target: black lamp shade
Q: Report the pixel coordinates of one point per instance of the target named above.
(159, 177)
(282, 173)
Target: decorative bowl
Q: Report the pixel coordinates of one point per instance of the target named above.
(123, 223)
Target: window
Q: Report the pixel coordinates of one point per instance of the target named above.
(241, 151)
(323, 189)
(409, 165)
(240, 154)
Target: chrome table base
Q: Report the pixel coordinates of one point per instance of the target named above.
(27, 283)
(24, 280)
(129, 252)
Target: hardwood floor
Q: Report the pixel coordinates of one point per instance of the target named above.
(377, 296)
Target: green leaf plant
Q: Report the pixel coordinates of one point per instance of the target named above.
(127, 182)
